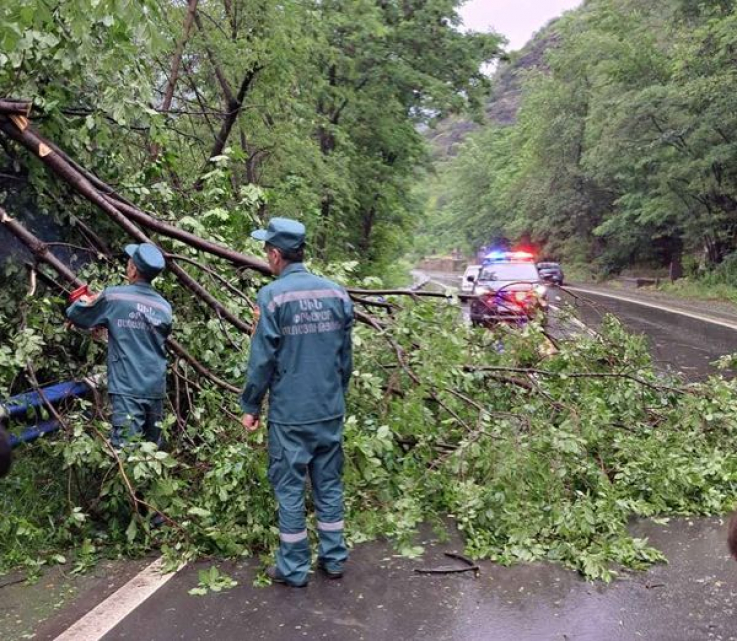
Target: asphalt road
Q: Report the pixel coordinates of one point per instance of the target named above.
(382, 597)
(682, 341)
(678, 341)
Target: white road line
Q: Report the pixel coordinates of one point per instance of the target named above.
(103, 618)
(575, 321)
(664, 308)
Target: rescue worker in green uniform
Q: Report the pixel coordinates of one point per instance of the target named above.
(137, 320)
(301, 353)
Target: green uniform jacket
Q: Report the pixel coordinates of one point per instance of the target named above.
(138, 321)
(301, 352)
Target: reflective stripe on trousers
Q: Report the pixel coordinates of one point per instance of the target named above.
(294, 452)
(293, 538)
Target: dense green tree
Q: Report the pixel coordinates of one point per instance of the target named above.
(622, 151)
(289, 108)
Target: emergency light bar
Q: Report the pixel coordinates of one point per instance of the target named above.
(506, 257)
(523, 256)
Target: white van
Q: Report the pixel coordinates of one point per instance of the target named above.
(468, 280)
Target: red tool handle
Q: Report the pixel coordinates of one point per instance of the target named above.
(78, 293)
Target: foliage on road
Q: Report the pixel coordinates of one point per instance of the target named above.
(623, 150)
(535, 453)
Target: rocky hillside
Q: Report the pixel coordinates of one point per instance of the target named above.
(505, 95)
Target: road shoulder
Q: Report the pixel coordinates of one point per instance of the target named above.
(719, 310)
(44, 609)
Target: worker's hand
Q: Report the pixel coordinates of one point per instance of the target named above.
(99, 334)
(250, 422)
(88, 300)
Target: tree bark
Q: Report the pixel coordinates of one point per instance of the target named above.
(42, 253)
(177, 59)
(15, 107)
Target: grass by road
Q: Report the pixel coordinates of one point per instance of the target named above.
(723, 294)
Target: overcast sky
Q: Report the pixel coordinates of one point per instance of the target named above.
(517, 20)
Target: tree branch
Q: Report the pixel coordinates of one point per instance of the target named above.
(177, 58)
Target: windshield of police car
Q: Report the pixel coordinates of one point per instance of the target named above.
(510, 272)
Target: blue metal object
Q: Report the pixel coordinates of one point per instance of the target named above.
(18, 406)
(30, 434)
(23, 407)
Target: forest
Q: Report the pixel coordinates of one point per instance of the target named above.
(622, 149)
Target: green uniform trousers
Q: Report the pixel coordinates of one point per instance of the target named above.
(136, 417)
(294, 452)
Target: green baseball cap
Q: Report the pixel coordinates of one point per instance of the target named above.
(283, 233)
(149, 261)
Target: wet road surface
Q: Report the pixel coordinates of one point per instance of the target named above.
(678, 342)
(381, 597)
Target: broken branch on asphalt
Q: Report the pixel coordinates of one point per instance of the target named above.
(469, 566)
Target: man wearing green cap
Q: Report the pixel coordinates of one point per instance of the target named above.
(301, 354)
(137, 320)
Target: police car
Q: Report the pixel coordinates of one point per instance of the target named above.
(508, 289)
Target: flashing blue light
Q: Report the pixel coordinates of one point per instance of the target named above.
(506, 257)
(495, 256)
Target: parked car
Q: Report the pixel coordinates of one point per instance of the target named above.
(508, 288)
(551, 273)
(469, 278)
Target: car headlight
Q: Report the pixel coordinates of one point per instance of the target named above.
(480, 291)
(541, 290)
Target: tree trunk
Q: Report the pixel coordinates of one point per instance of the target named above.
(15, 107)
(234, 110)
(368, 226)
(38, 248)
(177, 58)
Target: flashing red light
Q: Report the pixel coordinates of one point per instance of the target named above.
(521, 255)
(503, 257)
(520, 296)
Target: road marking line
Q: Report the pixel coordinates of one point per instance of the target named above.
(106, 615)
(575, 321)
(663, 308)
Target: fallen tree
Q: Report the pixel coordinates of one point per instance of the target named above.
(535, 454)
